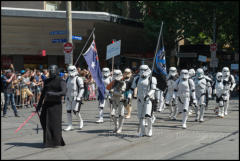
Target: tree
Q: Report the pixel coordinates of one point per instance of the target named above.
(191, 21)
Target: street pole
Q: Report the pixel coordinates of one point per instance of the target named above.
(69, 25)
(214, 36)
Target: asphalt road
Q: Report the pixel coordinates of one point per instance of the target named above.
(216, 138)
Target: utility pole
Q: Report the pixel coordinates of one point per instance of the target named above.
(69, 25)
(214, 37)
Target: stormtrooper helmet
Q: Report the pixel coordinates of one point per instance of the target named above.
(106, 72)
(144, 71)
(200, 73)
(72, 71)
(117, 75)
(191, 72)
(184, 75)
(172, 71)
(219, 76)
(225, 72)
(127, 73)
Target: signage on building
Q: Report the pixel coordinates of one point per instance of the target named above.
(113, 49)
(187, 55)
(59, 40)
(202, 58)
(65, 40)
(234, 66)
(76, 37)
(57, 32)
(67, 47)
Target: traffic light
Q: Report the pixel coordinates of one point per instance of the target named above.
(43, 52)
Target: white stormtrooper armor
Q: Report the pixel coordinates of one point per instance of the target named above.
(229, 84)
(184, 89)
(201, 90)
(159, 96)
(117, 90)
(106, 80)
(146, 89)
(75, 89)
(192, 74)
(219, 91)
(170, 101)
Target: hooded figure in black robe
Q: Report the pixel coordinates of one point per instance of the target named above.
(51, 104)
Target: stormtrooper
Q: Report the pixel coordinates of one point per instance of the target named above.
(218, 92)
(228, 86)
(184, 89)
(159, 98)
(192, 75)
(117, 88)
(201, 86)
(75, 89)
(106, 80)
(170, 96)
(146, 86)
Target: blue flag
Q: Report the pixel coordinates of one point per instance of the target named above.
(160, 71)
(92, 60)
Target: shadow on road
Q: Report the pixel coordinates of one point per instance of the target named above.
(33, 145)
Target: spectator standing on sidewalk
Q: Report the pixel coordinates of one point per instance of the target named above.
(25, 89)
(9, 92)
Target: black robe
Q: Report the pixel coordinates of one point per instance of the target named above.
(51, 114)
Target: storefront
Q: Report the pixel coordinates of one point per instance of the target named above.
(26, 32)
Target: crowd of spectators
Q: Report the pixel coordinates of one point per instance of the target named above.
(23, 88)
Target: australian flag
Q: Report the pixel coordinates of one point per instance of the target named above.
(92, 60)
(159, 70)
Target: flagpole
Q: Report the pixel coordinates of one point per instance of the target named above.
(85, 45)
(159, 36)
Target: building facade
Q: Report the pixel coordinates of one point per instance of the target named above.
(27, 32)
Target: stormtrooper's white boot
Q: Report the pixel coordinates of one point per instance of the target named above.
(184, 121)
(171, 110)
(121, 119)
(174, 116)
(197, 113)
(153, 119)
(69, 118)
(142, 128)
(202, 110)
(145, 123)
(149, 127)
(80, 120)
(226, 108)
(100, 120)
(162, 107)
(115, 121)
(190, 111)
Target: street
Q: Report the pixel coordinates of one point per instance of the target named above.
(216, 138)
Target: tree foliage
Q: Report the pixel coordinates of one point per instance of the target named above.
(192, 21)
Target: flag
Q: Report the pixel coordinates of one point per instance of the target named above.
(92, 60)
(159, 70)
